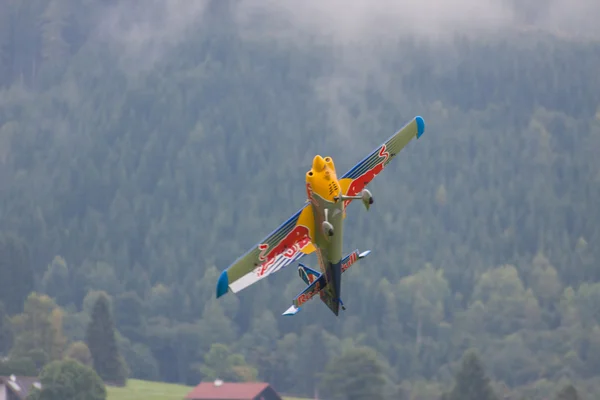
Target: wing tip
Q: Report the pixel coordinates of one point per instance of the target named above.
(364, 254)
(293, 310)
(420, 125)
(222, 284)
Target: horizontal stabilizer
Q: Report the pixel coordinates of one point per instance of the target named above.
(310, 291)
(317, 282)
(352, 258)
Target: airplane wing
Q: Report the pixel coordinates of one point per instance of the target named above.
(288, 243)
(355, 180)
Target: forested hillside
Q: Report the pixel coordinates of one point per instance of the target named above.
(143, 148)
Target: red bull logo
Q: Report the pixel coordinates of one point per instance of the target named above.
(309, 192)
(307, 276)
(351, 260)
(315, 204)
(262, 247)
(306, 296)
(289, 246)
(360, 182)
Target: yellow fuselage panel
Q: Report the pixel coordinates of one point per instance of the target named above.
(322, 178)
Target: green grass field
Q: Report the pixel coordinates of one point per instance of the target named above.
(145, 390)
(138, 390)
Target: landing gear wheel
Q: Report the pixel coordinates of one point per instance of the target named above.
(367, 198)
(327, 228)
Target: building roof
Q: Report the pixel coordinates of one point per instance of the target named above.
(20, 385)
(220, 390)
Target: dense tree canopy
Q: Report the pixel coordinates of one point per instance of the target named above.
(69, 379)
(144, 146)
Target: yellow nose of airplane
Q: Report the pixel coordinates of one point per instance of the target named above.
(318, 163)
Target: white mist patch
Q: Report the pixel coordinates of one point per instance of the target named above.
(144, 30)
(362, 36)
(577, 17)
(143, 33)
(359, 20)
(359, 36)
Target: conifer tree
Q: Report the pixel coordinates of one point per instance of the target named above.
(6, 333)
(568, 393)
(356, 374)
(14, 263)
(471, 382)
(102, 343)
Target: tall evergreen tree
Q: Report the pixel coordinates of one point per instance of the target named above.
(15, 269)
(568, 393)
(356, 374)
(6, 333)
(471, 382)
(102, 342)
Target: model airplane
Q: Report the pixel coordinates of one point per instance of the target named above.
(318, 227)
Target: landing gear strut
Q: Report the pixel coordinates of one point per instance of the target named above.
(327, 227)
(365, 196)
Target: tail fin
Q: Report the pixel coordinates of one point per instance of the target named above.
(308, 275)
(331, 295)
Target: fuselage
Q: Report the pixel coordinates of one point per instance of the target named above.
(322, 186)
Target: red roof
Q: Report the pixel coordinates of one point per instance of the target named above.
(227, 391)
